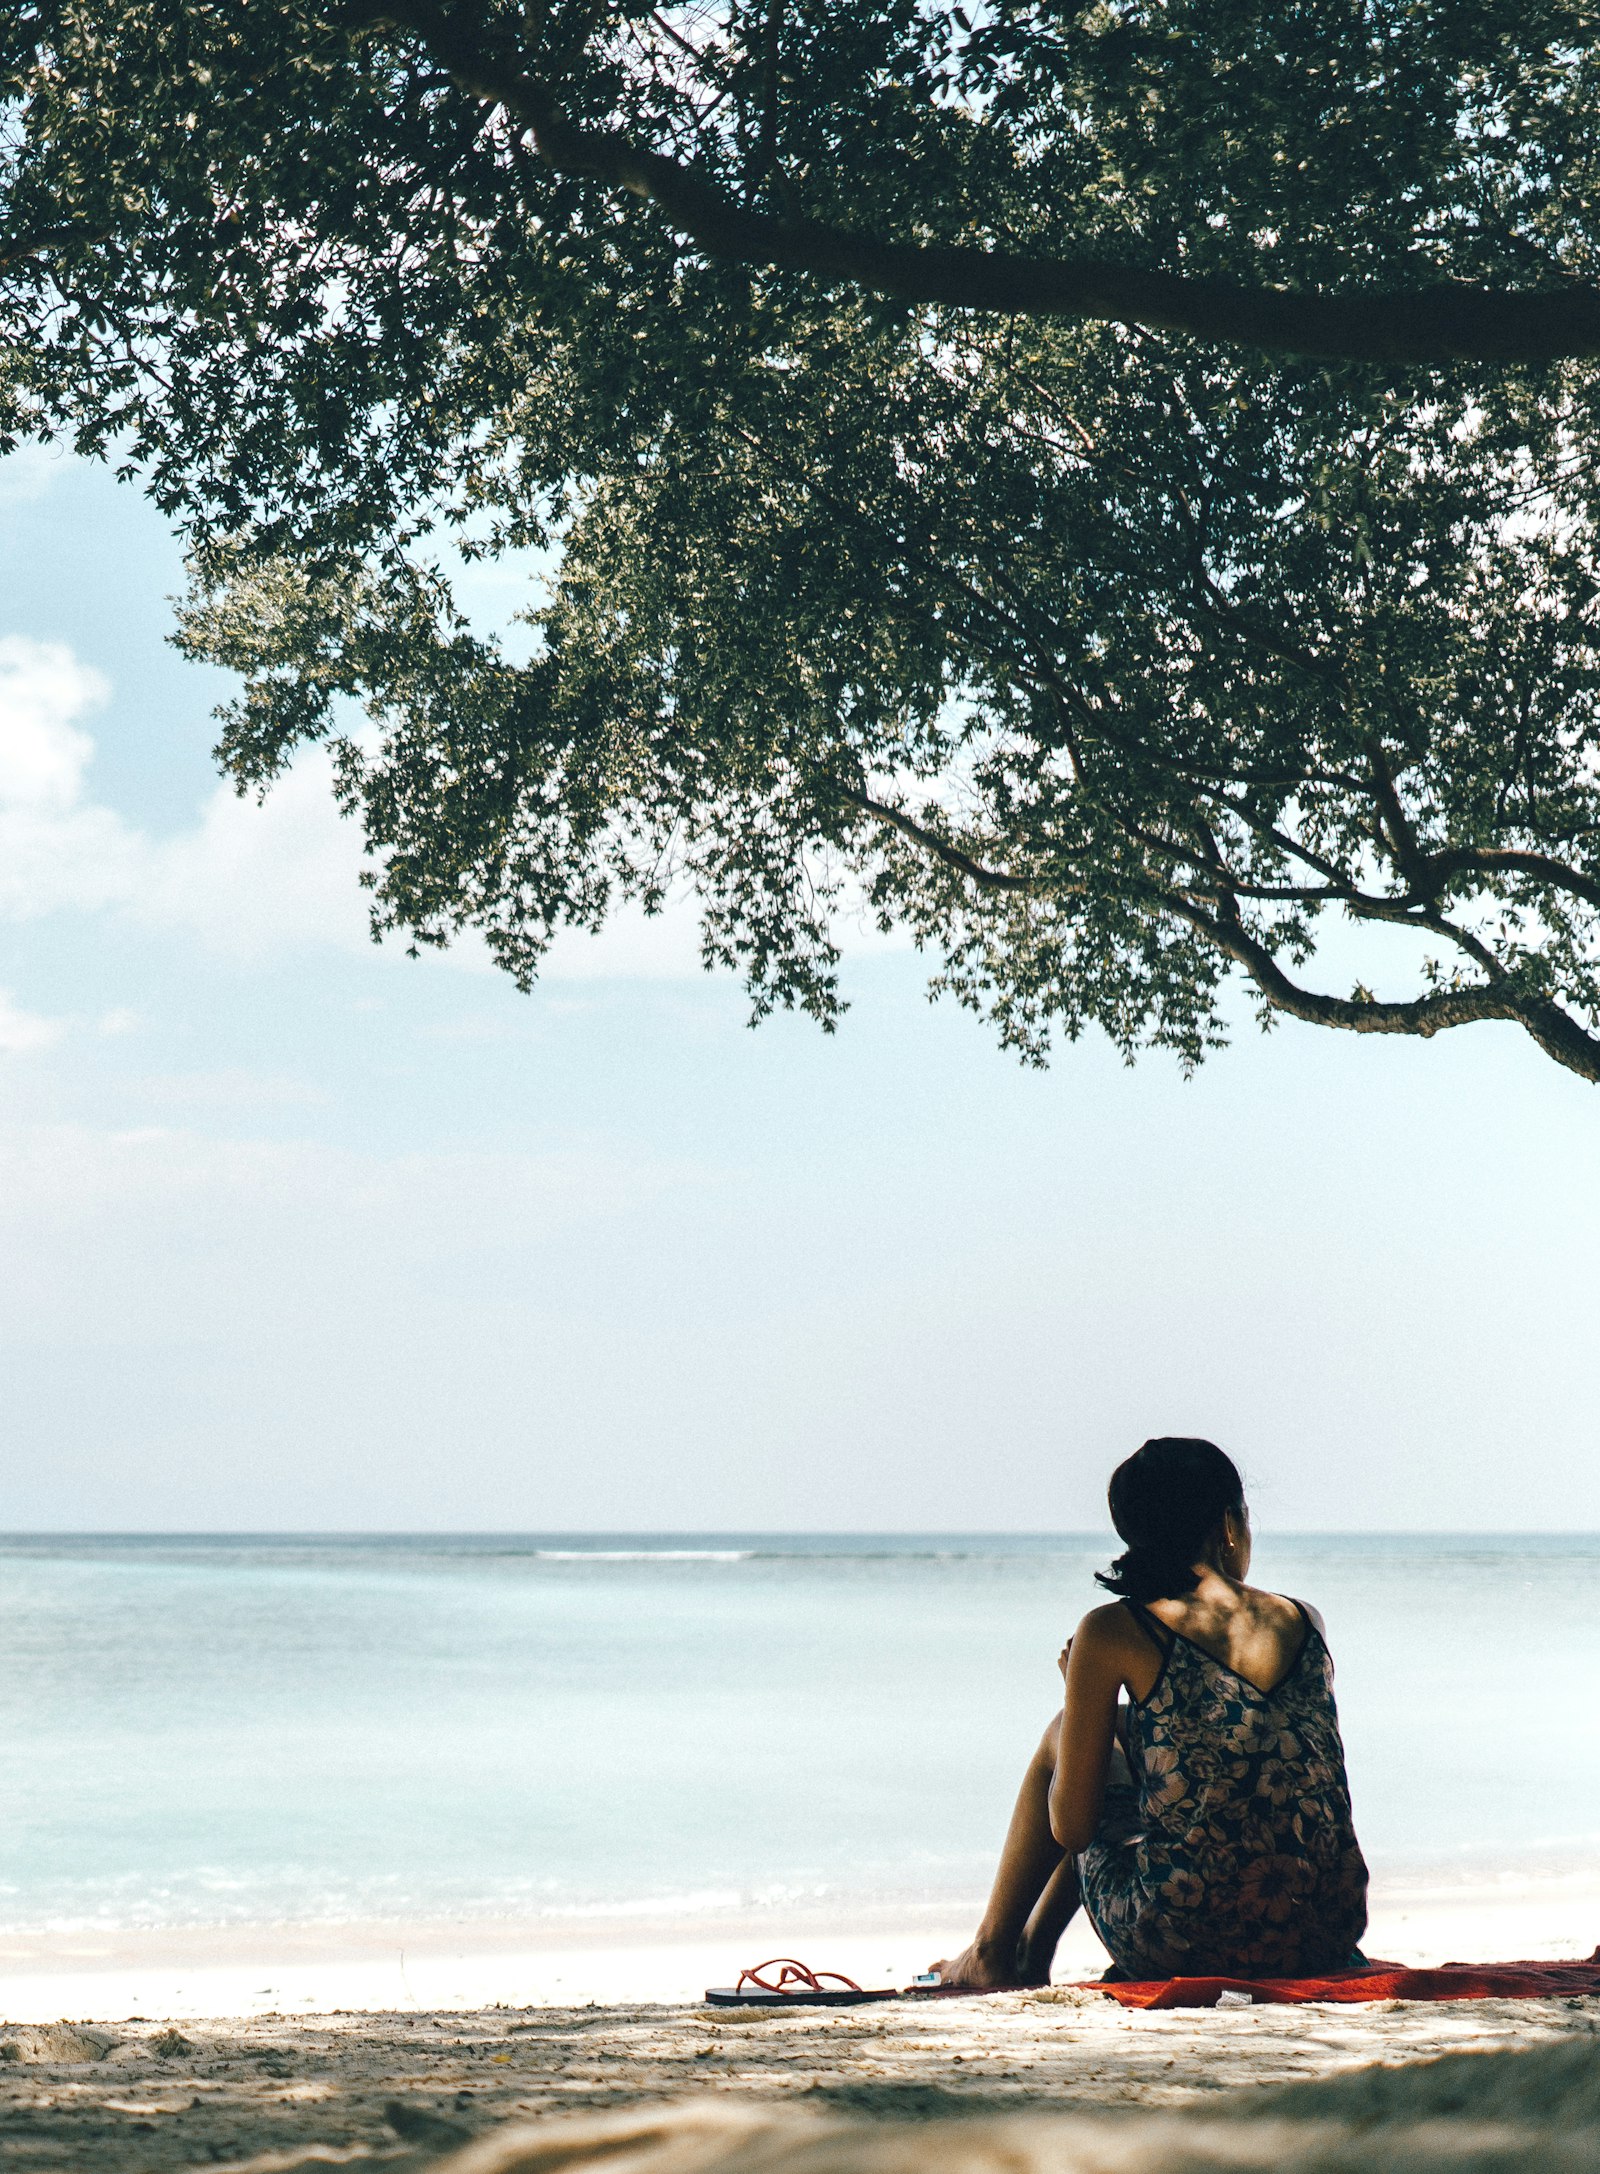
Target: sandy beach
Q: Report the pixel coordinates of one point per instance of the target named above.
(261, 2095)
(326, 2044)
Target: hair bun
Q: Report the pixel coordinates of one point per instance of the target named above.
(1150, 1573)
(1168, 1501)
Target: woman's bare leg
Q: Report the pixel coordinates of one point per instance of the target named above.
(1035, 1890)
(1049, 1919)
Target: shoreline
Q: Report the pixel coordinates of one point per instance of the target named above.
(419, 1966)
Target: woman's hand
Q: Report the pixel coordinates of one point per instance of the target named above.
(1062, 1659)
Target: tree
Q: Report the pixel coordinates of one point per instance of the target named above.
(1112, 487)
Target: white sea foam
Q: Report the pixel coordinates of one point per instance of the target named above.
(641, 1554)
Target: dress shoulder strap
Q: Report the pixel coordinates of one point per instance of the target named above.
(1310, 1627)
(1152, 1626)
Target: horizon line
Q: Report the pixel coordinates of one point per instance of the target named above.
(754, 1532)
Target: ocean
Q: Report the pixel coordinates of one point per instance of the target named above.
(582, 1729)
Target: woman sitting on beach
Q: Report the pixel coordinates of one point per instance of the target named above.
(1205, 1825)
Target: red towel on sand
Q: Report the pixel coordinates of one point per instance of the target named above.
(1373, 1981)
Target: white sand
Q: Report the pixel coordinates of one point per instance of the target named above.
(398, 1968)
(264, 2095)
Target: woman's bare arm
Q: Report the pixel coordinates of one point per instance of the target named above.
(1097, 1664)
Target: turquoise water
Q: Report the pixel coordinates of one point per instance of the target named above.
(204, 1730)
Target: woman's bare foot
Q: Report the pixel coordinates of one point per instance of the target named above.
(984, 1968)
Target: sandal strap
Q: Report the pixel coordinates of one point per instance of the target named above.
(794, 1976)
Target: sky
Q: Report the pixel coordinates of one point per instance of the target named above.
(299, 1234)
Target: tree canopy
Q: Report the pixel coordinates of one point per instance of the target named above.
(1109, 488)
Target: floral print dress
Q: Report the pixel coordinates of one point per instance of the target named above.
(1231, 1850)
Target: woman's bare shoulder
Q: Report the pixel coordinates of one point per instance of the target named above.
(1289, 1611)
(1109, 1629)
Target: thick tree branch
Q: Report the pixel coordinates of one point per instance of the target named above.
(1541, 867)
(1414, 909)
(1409, 856)
(25, 247)
(1556, 1033)
(1444, 322)
(1220, 923)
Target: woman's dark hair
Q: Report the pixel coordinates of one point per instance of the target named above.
(1167, 1501)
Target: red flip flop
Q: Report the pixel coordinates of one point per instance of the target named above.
(796, 1986)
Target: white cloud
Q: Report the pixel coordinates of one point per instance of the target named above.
(253, 876)
(56, 849)
(249, 877)
(245, 879)
(43, 755)
(22, 1031)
